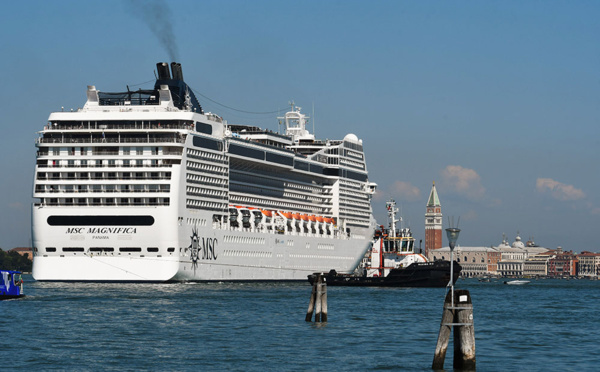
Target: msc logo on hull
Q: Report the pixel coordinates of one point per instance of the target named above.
(202, 248)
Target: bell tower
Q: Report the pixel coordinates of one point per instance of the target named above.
(433, 222)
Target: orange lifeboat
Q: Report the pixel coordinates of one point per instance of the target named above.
(304, 217)
(287, 215)
(267, 213)
(296, 216)
(320, 218)
(313, 218)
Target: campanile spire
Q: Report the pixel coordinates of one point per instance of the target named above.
(433, 222)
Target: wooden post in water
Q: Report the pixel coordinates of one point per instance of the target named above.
(324, 301)
(311, 304)
(464, 331)
(318, 306)
(318, 300)
(444, 335)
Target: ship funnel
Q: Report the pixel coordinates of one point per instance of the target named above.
(163, 71)
(177, 72)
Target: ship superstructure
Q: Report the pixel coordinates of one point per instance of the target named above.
(146, 186)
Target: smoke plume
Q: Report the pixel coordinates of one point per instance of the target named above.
(157, 16)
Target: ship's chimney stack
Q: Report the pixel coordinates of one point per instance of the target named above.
(177, 72)
(163, 71)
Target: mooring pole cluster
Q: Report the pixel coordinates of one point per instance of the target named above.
(457, 317)
(318, 300)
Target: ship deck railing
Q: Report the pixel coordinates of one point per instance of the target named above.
(120, 126)
(92, 167)
(92, 204)
(92, 191)
(110, 140)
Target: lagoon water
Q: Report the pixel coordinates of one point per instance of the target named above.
(545, 325)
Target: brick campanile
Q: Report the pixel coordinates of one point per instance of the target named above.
(433, 222)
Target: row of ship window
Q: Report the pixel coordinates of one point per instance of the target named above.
(208, 181)
(105, 201)
(112, 138)
(275, 204)
(102, 188)
(111, 163)
(117, 124)
(262, 181)
(104, 175)
(108, 249)
(200, 167)
(205, 205)
(114, 150)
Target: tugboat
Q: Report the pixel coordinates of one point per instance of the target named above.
(11, 284)
(392, 262)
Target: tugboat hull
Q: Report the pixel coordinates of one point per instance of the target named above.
(423, 274)
(11, 285)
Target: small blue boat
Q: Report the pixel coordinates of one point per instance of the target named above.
(11, 284)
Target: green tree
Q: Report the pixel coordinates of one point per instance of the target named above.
(14, 261)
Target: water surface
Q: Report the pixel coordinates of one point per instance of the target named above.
(545, 325)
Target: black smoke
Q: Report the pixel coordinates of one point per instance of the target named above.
(157, 16)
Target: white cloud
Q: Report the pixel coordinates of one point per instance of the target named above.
(405, 191)
(558, 190)
(399, 190)
(463, 181)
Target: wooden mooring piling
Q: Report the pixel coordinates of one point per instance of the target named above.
(457, 316)
(318, 300)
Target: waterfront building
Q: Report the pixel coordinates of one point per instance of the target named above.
(514, 256)
(494, 256)
(589, 264)
(564, 264)
(433, 222)
(475, 261)
(537, 265)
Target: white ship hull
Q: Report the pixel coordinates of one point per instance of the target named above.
(220, 254)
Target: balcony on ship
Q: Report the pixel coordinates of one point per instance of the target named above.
(100, 137)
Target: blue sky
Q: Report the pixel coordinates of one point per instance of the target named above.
(495, 101)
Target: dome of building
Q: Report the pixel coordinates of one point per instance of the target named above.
(504, 243)
(518, 243)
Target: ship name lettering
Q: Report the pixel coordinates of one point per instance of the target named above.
(102, 230)
(112, 230)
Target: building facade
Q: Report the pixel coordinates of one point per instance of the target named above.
(537, 265)
(564, 264)
(474, 261)
(589, 264)
(514, 256)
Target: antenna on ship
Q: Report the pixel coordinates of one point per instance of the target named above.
(313, 118)
(391, 207)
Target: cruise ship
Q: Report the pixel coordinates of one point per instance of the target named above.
(145, 186)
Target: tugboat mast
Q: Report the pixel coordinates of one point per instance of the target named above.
(392, 210)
